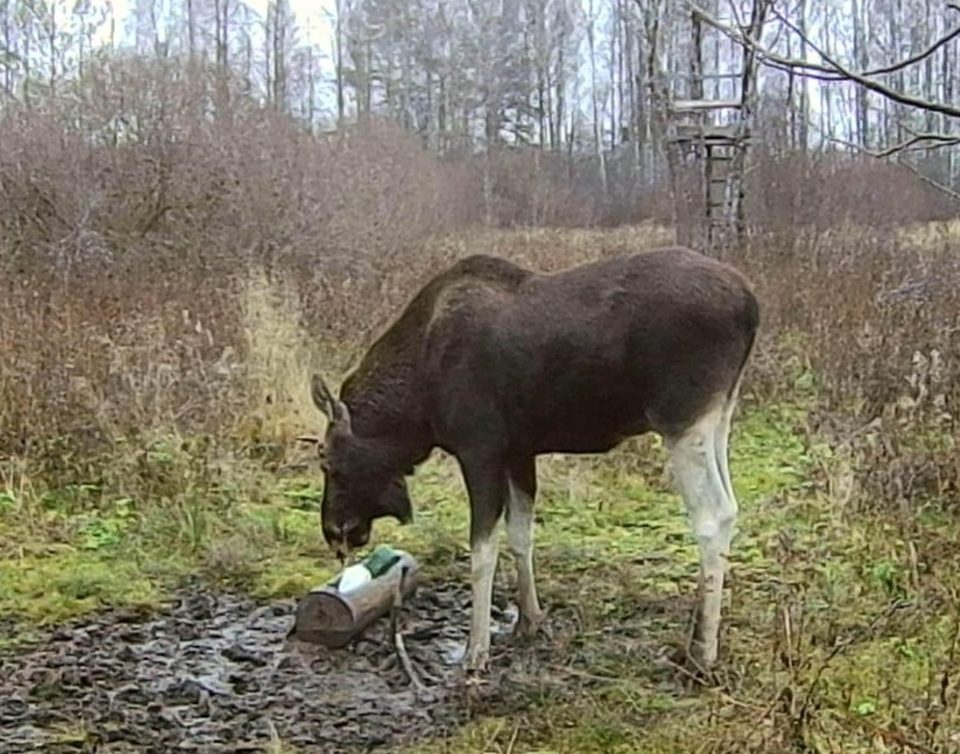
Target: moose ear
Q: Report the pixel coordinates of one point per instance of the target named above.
(332, 407)
(322, 397)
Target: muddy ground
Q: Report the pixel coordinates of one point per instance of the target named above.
(217, 673)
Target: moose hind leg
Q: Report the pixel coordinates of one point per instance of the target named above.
(520, 525)
(722, 435)
(713, 512)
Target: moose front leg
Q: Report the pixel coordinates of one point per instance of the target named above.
(488, 489)
(483, 566)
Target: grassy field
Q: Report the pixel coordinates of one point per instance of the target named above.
(842, 627)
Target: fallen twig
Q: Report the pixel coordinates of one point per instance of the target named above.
(398, 637)
(513, 739)
(407, 664)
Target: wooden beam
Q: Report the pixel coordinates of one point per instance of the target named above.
(703, 105)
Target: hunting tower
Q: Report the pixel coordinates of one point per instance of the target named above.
(708, 116)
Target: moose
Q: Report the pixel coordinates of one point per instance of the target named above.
(496, 364)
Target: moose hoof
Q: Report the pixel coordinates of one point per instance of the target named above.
(477, 661)
(530, 626)
(695, 663)
(701, 656)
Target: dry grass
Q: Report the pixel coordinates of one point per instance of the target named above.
(163, 300)
(869, 322)
(876, 321)
(276, 364)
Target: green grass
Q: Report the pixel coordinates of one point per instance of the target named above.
(839, 627)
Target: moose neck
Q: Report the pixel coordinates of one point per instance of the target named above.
(386, 410)
(384, 393)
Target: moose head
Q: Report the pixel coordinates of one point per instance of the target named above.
(361, 480)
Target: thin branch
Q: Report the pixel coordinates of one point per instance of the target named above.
(830, 69)
(915, 144)
(920, 141)
(919, 56)
(778, 60)
(929, 181)
(893, 67)
(801, 68)
(943, 189)
(398, 643)
(875, 86)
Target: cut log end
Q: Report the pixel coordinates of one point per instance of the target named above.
(323, 617)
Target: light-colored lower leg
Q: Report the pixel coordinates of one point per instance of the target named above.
(483, 566)
(713, 515)
(722, 441)
(520, 541)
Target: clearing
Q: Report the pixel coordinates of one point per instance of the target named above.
(148, 627)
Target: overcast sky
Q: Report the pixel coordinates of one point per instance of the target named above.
(312, 15)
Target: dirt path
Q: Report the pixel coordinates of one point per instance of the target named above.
(216, 673)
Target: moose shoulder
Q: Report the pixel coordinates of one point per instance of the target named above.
(497, 364)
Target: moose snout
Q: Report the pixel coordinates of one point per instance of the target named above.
(333, 535)
(342, 539)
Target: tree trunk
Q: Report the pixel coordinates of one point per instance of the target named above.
(27, 52)
(8, 47)
(928, 75)
(279, 55)
(338, 60)
(804, 139)
(896, 19)
(331, 618)
(862, 63)
(52, 42)
(191, 31)
(597, 125)
(221, 31)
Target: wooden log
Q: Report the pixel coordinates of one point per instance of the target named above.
(325, 616)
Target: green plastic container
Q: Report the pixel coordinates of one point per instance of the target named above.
(381, 560)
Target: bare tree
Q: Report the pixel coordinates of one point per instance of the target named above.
(279, 41)
(191, 23)
(221, 9)
(338, 60)
(829, 69)
(595, 97)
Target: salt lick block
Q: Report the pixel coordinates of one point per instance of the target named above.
(325, 616)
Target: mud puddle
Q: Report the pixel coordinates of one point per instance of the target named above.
(217, 673)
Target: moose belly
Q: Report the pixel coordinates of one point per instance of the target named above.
(579, 419)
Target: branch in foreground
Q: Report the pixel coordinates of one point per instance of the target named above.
(829, 70)
(893, 67)
(930, 182)
(918, 142)
(915, 144)
(898, 150)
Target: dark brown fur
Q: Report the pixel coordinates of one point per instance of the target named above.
(497, 364)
